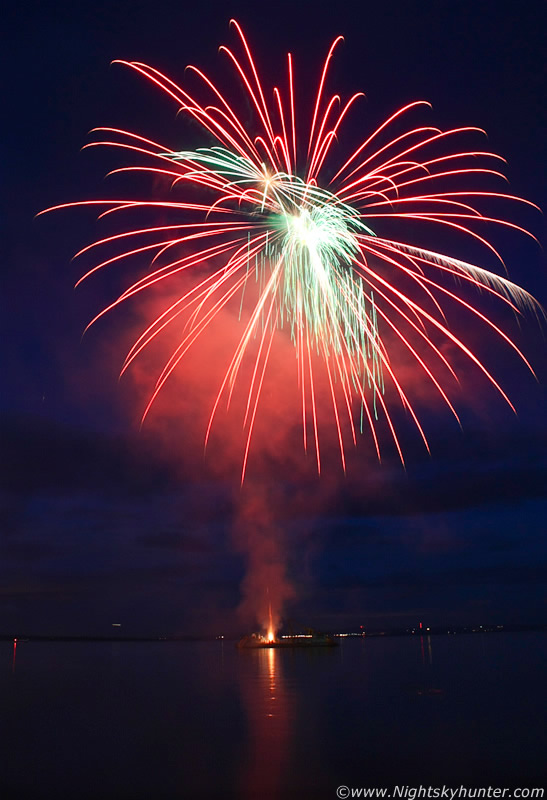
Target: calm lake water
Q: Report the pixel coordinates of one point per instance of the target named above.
(204, 720)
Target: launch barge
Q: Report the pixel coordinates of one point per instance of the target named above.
(258, 642)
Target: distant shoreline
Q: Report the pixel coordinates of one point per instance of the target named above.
(367, 634)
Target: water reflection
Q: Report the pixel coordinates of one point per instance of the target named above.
(269, 706)
(427, 687)
(202, 720)
(429, 658)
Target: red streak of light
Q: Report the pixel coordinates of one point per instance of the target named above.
(271, 632)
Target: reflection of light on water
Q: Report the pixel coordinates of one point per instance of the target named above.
(270, 710)
(429, 652)
(271, 669)
(14, 655)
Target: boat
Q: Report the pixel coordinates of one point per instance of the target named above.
(256, 641)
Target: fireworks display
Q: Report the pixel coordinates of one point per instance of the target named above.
(290, 229)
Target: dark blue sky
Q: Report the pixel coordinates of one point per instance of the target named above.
(101, 523)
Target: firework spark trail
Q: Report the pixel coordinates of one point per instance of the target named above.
(313, 248)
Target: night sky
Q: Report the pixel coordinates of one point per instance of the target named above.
(103, 523)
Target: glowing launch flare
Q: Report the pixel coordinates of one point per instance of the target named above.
(323, 269)
(271, 633)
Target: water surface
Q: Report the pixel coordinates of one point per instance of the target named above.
(204, 720)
